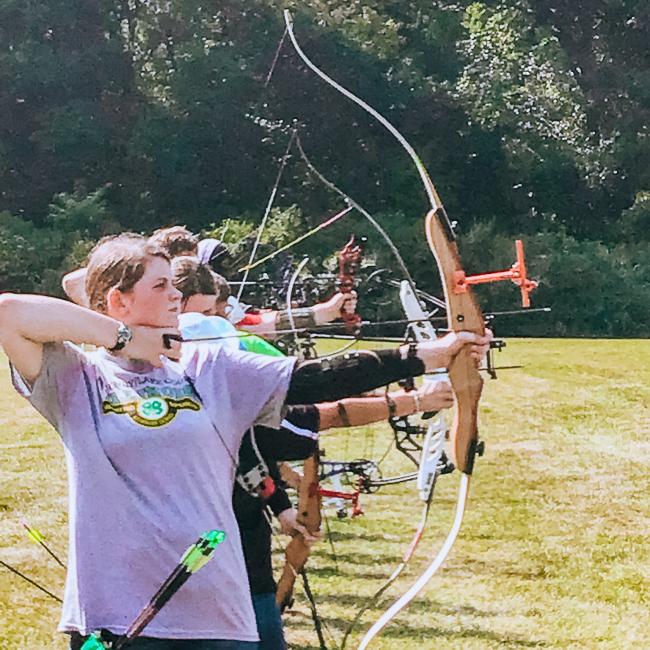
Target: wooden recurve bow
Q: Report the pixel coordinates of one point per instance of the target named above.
(309, 515)
(463, 314)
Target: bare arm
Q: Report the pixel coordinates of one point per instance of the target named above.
(357, 411)
(27, 322)
(303, 317)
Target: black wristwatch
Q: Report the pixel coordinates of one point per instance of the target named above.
(124, 335)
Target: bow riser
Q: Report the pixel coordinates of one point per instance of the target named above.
(463, 314)
(467, 385)
(309, 515)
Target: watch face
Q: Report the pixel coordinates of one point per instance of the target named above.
(127, 333)
(124, 335)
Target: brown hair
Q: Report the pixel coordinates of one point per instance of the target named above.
(221, 287)
(117, 261)
(191, 277)
(176, 241)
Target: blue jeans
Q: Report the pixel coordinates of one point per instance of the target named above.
(149, 643)
(269, 622)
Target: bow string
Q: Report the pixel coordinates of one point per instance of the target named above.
(463, 314)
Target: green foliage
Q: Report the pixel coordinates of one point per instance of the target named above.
(518, 82)
(593, 288)
(34, 259)
(532, 118)
(635, 221)
(239, 235)
(282, 227)
(86, 214)
(27, 254)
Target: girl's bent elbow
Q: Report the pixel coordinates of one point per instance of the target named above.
(8, 304)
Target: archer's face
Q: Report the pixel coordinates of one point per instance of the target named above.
(153, 301)
(201, 303)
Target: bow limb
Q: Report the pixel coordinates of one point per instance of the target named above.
(434, 199)
(309, 515)
(422, 581)
(463, 314)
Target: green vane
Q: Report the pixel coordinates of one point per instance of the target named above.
(198, 554)
(195, 557)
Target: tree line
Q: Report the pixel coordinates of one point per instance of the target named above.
(532, 118)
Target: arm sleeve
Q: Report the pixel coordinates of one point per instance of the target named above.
(296, 439)
(328, 380)
(279, 501)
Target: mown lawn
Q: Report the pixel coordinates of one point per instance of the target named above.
(553, 552)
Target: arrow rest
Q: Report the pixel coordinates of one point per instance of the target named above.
(491, 368)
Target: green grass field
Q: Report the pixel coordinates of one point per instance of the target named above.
(553, 552)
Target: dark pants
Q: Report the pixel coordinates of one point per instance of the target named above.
(148, 643)
(269, 622)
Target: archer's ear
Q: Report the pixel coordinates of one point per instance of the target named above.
(117, 304)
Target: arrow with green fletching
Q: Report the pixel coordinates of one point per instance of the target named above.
(192, 560)
(36, 536)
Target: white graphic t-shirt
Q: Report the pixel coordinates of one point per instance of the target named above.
(150, 455)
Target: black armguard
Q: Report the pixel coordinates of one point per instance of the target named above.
(352, 373)
(279, 500)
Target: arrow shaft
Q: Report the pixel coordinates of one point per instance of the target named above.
(31, 582)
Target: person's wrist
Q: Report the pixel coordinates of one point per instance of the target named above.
(411, 350)
(123, 337)
(321, 314)
(405, 403)
(391, 405)
(434, 358)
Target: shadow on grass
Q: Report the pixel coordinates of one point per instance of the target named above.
(353, 602)
(407, 635)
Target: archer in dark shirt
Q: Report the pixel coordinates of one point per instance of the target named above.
(296, 440)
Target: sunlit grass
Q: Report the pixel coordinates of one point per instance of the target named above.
(553, 552)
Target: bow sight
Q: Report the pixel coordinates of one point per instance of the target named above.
(517, 274)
